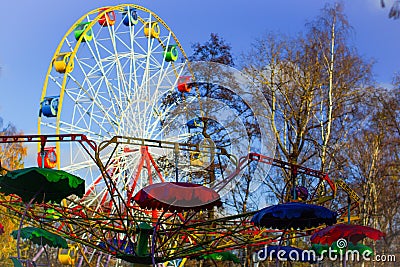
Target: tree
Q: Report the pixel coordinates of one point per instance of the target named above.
(12, 154)
(312, 83)
(11, 157)
(373, 164)
(216, 49)
(220, 84)
(234, 98)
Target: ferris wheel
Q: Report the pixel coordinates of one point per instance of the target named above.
(112, 75)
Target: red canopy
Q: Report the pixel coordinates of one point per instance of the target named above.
(177, 196)
(352, 233)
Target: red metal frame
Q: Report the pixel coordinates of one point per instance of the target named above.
(296, 169)
(48, 137)
(42, 139)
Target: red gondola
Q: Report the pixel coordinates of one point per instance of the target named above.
(108, 18)
(50, 158)
(183, 84)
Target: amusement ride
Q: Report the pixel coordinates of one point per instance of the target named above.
(108, 103)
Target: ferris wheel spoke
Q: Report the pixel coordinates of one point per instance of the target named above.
(91, 92)
(102, 68)
(153, 124)
(122, 82)
(67, 127)
(81, 96)
(56, 81)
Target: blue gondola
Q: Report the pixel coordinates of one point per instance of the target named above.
(49, 106)
(129, 16)
(195, 123)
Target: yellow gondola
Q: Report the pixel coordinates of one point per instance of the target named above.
(152, 29)
(61, 63)
(196, 159)
(68, 256)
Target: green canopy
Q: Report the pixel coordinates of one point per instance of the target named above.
(41, 184)
(221, 256)
(41, 237)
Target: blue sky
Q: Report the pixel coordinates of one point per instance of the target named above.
(31, 30)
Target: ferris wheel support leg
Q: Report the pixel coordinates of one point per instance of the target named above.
(136, 178)
(155, 166)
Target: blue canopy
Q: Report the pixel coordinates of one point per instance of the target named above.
(294, 215)
(119, 244)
